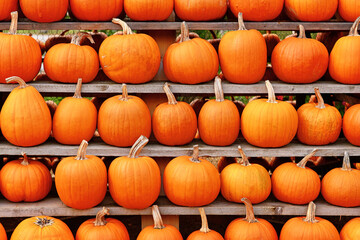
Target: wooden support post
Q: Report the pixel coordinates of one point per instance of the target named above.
(170, 220)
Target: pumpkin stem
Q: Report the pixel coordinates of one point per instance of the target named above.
(77, 38)
(195, 156)
(63, 33)
(321, 104)
(78, 89)
(244, 158)
(302, 33)
(310, 216)
(219, 92)
(25, 162)
(14, 23)
(169, 94)
(184, 36)
(204, 223)
(124, 96)
(138, 146)
(81, 154)
(303, 162)
(250, 217)
(241, 21)
(354, 28)
(19, 80)
(271, 92)
(158, 222)
(100, 217)
(43, 222)
(125, 27)
(346, 162)
(268, 32)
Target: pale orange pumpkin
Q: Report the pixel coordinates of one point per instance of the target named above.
(204, 233)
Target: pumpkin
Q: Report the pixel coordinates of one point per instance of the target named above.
(310, 10)
(131, 57)
(6, 7)
(250, 227)
(296, 183)
(191, 61)
(98, 38)
(351, 230)
(25, 54)
(159, 230)
(219, 119)
(338, 185)
(42, 228)
(25, 180)
(25, 117)
(3, 235)
(44, 11)
(349, 10)
(274, 126)
(200, 10)
(309, 228)
(123, 119)
(204, 233)
(191, 181)
(60, 38)
(153, 100)
(271, 40)
(264, 10)
(329, 38)
(243, 55)
(174, 123)
(141, 188)
(74, 119)
(68, 62)
(345, 57)
(319, 124)
(81, 181)
(351, 124)
(223, 162)
(101, 228)
(97, 10)
(300, 60)
(247, 180)
(148, 10)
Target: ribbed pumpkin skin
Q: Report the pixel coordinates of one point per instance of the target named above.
(296, 60)
(113, 230)
(200, 10)
(167, 233)
(212, 235)
(44, 10)
(27, 230)
(349, 10)
(259, 10)
(243, 230)
(131, 58)
(148, 10)
(2, 233)
(6, 7)
(96, 10)
(311, 10)
(351, 230)
(68, 62)
(29, 183)
(351, 125)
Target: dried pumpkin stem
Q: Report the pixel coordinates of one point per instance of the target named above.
(25, 162)
(43, 222)
(302, 33)
(245, 160)
(195, 156)
(250, 217)
(100, 217)
(204, 223)
(124, 96)
(138, 146)
(77, 38)
(158, 222)
(354, 28)
(14, 22)
(125, 27)
(271, 92)
(184, 36)
(346, 162)
(19, 80)
(310, 216)
(81, 154)
(78, 89)
(241, 21)
(268, 32)
(219, 92)
(169, 94)
(303, 162)
(321, 104)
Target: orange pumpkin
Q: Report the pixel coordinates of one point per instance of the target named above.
(81, 181)
(44, 11)
(25, 52)
(6, 7)
(148, 10)
(296, 183)
(349, 10)
(351, 125)
(25, 117)
(309, 228)
(3, 235)
(223, 162)
(200, 10)
(310, 10)
(219, 119)
(174, 123)
(123, 119)
(191, 181)
(153, 100)
(239, 180)
(351, 230)
(204, 233)
(131, 57)
(274, 126)
(243, 55)
(96, 10)
(25, 180)
(141, 188)
(345, 57)
(338, 185)
(329, 38)
(101, 228)
(264, 10)
(250, 227)
(191, 61)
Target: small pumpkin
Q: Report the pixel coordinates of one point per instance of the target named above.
(349, 10)
(96, 10)
(351, 230)
(351, 125)
(204, 233)
(6, 7)
(57, 39)
(310, 10)
(3, 235)
(148, 10)
(223, 162)
(329, 38)
(44, 11)
(271, 40)
(265, 10)
(98, 38)
(153, 100)
(200, 10)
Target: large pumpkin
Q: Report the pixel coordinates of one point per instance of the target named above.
(130, 57)
(74, 119)
(339, 184)
(101, 228)
(25, 180)
(6, 7)
(200, 10)
(351, 125)
(25, 117)
(309, 228)
(204, 233)
(269, 123)
(219, 119)
(81, 181)
(351, 230)
(310, 10)
(148, 10)
(3, 235)
(300, 60)
(25, 52)
(264, 10)
(44, 11)
(141, 188)
(345, 57)
(319, 124)
(96, 10)
(190, 61)
(349, 10)
(243, 55)
(174, 123)
(239, 180)
(191, 181)
(123, 119)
